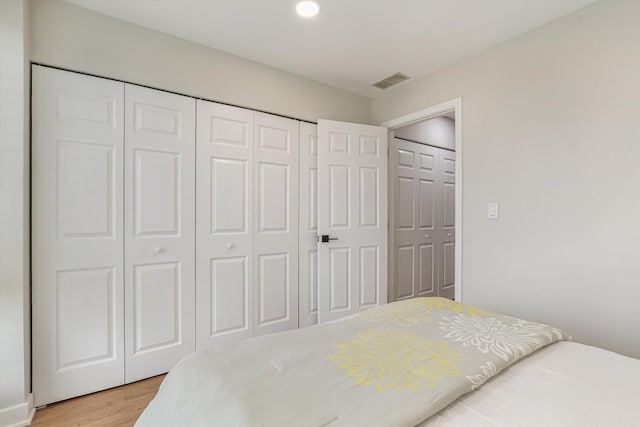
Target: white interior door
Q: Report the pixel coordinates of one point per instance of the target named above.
(352, 210)
(224, 218)
(415, 179)
(308, 249)
(447, 229)
(77, 234)
(159, 230)
(275, 189)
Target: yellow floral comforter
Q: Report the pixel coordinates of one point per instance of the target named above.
(393, 365)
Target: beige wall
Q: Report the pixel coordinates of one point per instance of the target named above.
(70, 37)
(14, 215)
(439, 132)
(551, 130)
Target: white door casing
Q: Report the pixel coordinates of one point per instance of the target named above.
(224, 223)
(415, 180)
(275, 237)
(308, 245)
(352, 208)
(77, 234)
(159, 191)
(452, 106)
(446, 221)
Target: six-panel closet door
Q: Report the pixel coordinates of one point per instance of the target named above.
(416, 184)
(122, 247)
(423, 202)
(224, 218)
(159, 230)
(447, 227)
(77, 234)
(275, 244)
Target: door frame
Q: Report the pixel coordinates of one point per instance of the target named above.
(454, 105)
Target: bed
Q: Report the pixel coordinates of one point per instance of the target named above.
(426, 361)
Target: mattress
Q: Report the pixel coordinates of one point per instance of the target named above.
(565, 384)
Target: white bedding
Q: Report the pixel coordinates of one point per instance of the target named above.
(565, 384)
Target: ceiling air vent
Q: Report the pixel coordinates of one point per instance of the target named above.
(392, 80)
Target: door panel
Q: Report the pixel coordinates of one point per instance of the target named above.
(308, 245)
(405, 271)
(159, 230)
(339, 279)
(427, 278)
(84, 298)
(156, 188)
(224, 222)
(274, 284)
(352, 207)
(228, 208)
(86, 207)
(426, 195)
(228, 305)
(275, 237)
(369, 190)
(339, 196)
(274, 197)
(156, 296)
(406, 200)
(369, 276)
(77, 234)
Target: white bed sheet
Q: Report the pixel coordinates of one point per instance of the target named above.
(565, 385)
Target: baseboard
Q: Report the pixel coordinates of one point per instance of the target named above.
(18, 415)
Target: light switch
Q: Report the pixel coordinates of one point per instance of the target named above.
(493, 211)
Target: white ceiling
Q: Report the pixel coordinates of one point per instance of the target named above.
(351, 43)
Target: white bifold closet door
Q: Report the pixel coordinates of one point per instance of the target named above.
(224, 217)
(275, 225)
(77, 234)
(423, 203)
(352, 214)
(415, 184)
(446, 216)
(159, 230)
(308, 249)
(113, 229)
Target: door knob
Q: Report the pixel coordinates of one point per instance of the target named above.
(158, 249)
(230, 246)
(426, 236)
(449, 234)
(325, 238)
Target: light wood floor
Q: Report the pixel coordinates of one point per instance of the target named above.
(115, 407)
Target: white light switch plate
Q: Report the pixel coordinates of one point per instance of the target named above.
(493, 211)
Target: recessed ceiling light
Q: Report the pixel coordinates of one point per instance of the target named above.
(307, 8)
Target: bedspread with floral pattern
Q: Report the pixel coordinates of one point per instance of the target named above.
(393, 365)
